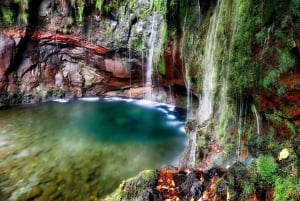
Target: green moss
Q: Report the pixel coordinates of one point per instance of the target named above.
(80, 13)
(286, 60)
(159, 6)
(162, 67)
(132, 189)
(7, 16)
(268, 11)
(248, 189)
(266, 166)
(242, 72)
(287, 189)
(137, 45)
(281, 90)
(98, 4)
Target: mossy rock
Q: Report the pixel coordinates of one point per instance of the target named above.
(267, 167)
(262, 145)
(133, 189)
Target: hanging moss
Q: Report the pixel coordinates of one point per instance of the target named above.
(242, 72)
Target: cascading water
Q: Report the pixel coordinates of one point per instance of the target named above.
(190, 40)
(151, 45)
(208, 64)
(253, 108)
(215, 110)
(223, 106)
(189, 98)
(196, 10)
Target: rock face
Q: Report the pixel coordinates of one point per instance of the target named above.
(62, 55)
(6, 53)
(60, 65)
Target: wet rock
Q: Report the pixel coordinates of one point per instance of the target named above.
(134, 188)
(151, 195)
(192, 188)
(6, 50)
(173, 74)
(180, 177)
(190, 125)
(119, 68)
(91, 76)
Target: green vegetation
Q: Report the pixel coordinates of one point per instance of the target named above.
(281, 90)
(78, 5)
(242, 72)
(14, 12)
(290, 126)
(286, 60)
(162, 67)
(7, 16)
(132, 188)
(287, 189)
(98, 4)
(159, 5)
(262, 45)
(266, 166)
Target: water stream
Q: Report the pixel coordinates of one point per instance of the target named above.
(208, 63)
(151, 46)
(81, 149)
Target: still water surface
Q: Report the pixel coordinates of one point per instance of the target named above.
(83, 149)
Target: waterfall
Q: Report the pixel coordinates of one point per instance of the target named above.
(193, 12)
(151, 46)
(223, 103)
(189, 98)
(208, 63)
(129, 58)
(224, 90)
(215, 109)
(195, 9)
(253, 108)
